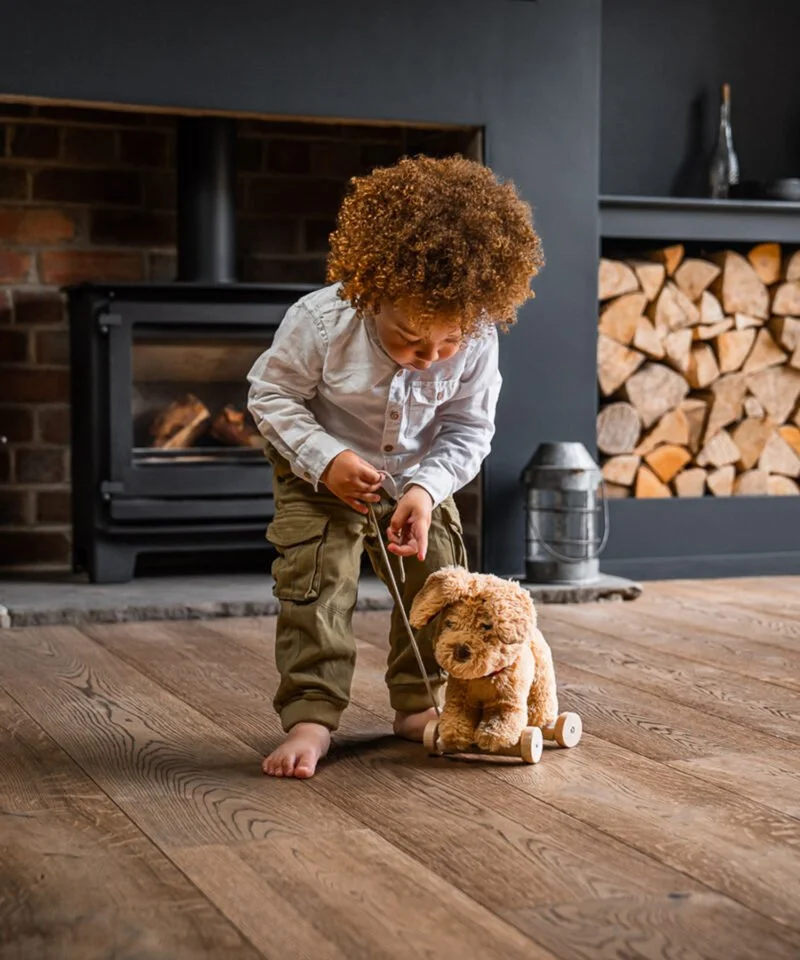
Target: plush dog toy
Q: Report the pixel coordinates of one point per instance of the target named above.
(500, 668)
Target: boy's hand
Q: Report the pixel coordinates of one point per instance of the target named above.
(353, 480)
(410, 523)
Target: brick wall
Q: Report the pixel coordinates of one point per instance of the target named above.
(90, 195)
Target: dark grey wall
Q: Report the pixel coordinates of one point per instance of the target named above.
(529, 72)
(663, 64)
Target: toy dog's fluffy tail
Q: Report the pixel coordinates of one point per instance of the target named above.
(543, 698)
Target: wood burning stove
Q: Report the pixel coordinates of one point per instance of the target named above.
(165, 457)
(144, 478)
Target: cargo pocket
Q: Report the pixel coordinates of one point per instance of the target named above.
(452, 522)
(297, 569)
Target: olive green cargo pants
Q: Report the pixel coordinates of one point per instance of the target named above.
(320, 541)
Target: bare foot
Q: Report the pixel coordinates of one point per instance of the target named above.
(299, 753)
(411, 726)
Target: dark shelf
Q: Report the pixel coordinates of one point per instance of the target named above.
(686, 220)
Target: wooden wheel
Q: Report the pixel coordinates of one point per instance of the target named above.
(430, 737)
(531, 745)
(568, 729)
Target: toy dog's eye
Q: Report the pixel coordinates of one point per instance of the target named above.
(449, 624)
(486, 626)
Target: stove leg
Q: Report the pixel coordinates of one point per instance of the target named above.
(111, 563)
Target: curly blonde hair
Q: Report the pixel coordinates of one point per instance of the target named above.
(443, 235)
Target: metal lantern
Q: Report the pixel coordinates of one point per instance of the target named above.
(562, 511)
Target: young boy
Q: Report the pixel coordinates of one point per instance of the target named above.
(381, 389)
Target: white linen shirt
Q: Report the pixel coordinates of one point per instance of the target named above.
(326, 385)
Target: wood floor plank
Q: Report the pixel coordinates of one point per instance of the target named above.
(771, 777)
(780, 600)
(693, 607)
(734, 846)
(657, 629)
(753, 704)
(179, 776)
(653, 726)
(364, 895)
(717, 812)
(399, 786)
(78, 880)
(692, 926)
(445, 813)
(657, 840)
(185, 782)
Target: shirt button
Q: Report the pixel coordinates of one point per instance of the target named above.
(394, 415)
(307, 475)
(388, 448)
(440, 395)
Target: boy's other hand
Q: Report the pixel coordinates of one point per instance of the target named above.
(353, 480)
(410, 523)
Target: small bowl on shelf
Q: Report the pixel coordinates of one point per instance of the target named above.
(787, 188)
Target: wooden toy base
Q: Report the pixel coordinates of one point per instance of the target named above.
(566, 731)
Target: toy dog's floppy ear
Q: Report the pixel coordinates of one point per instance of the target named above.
(442, 588)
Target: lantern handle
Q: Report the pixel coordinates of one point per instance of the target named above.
(603, 540)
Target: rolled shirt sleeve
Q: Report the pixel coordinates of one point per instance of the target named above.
(466, 426)
(282, 380)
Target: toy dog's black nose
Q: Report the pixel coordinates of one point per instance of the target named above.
(461, 653)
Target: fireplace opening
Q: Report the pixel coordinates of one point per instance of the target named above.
(189, 399)
(141, 233)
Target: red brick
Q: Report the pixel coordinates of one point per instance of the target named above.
(88, 145)
(54, 425)
(63, 267)
(378, 155)
(46, 465)
(289, 156)
(249, 154)
(162, 267)
(159, 191)
(262, 270)
(295, 198)
(241, 195)
(87, 186)
(5, 307)
(39, 307)
(53, 506)
(289, 128)
(34, 386)
(13, 346)
(117, 118)
(139, 228)
(15, 507)
(13, 183)
(262, 235)
(335, 159)
(52, 348)
(25, 548)
(35, 225)
(36, 141)
(6, 468)
(143, 148)
(316, 235)
(15, 109)
(374, 132)
(14, 267)
(16, 424)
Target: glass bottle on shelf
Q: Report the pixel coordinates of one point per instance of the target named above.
(724, 171)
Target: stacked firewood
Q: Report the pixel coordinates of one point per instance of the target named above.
(699, 373)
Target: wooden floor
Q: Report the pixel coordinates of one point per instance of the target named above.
(134, 821)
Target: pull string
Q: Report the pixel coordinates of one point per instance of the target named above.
(399, 601)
